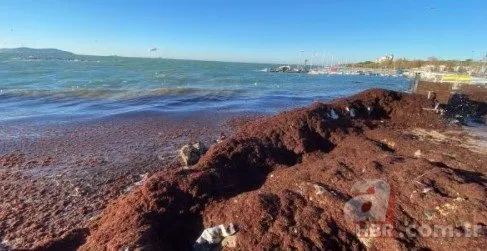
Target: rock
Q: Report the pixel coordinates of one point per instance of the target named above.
(230, 241)
(200, 147)
(429, 214)
(390, 144)
(189, 155)
(426, 190)
(214, 235)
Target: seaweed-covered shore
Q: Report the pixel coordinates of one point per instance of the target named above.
(284, 181)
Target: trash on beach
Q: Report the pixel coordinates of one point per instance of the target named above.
(369, 110)
(351, 111)
(333, 115)
(214, 235)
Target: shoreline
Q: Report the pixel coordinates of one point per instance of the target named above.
(280, 178)
(61, 176)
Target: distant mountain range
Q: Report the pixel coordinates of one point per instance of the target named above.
(29, 53)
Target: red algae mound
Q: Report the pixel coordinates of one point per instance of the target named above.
(284, 181)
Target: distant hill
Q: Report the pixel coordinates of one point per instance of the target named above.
(29, 53)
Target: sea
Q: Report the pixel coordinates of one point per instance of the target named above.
(93, 87)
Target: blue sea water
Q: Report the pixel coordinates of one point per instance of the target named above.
(92, 87)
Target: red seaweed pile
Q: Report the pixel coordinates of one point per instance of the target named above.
(285, 179)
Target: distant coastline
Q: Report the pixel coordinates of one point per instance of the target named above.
(400, 63)
(53, 53)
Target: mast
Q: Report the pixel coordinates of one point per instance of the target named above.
(324, 52)
(300, 58)
(312, 57)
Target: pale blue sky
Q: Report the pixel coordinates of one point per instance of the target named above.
(249, 31)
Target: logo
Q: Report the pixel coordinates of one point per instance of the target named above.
(370, 202)
(371, 208)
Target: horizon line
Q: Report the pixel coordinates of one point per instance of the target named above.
(224, 61)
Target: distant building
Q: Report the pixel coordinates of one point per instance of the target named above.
(384, 58)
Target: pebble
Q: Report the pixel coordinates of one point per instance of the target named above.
(429, 214)
(230, 241)
(319, 189)
(427, 189)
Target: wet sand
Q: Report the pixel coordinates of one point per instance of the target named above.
(283, 179)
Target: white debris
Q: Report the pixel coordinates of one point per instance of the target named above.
(369, 110)
(437, 105)
(333, 115)
(417, 154)
(351, 111)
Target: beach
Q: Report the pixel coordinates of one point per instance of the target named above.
(62, 180)
(90, 156)
(250, 125)
(283, 179)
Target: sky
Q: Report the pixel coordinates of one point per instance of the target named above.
(250, 31)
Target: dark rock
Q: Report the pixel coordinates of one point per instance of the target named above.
(189, 155)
